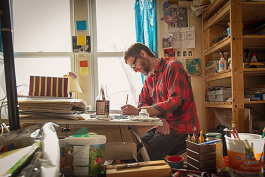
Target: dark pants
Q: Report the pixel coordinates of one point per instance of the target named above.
(158, 145)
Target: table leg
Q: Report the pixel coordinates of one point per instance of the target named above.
(137, 139)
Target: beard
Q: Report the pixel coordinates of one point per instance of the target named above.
(145, 66)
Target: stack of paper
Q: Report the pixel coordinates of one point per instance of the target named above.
(51, 106)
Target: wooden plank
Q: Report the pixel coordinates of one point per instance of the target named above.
(253, 12)
(254, 71)
(218, 76)
(223, 45)
(209, 119)
(217, 17)
(212, 7)
(237, 79)
(227, 104)
(88, 122)
(254, 41)
(255, 102)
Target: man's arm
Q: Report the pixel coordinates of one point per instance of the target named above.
(132, 110)
(152, 111)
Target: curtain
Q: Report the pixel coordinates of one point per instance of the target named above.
(145, 24)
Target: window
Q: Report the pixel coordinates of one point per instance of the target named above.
(115, 29)
(42, 39)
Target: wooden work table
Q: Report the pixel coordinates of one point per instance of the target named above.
(101, 125)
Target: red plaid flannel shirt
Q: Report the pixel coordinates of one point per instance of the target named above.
(169, 90)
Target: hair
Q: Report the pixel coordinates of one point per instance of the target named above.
(135, 50)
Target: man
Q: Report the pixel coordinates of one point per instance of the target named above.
(167, 94)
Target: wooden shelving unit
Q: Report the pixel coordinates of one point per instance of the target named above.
(239, 14)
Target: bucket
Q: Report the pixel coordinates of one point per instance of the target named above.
(245, 155)
(86, 154)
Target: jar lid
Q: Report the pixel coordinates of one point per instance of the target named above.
(213, 134)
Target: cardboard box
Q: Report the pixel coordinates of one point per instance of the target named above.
(120, 150)
(154, 168)
(211, 67)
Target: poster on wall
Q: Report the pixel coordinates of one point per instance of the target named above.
(183, 37)
(81, 44)
(180, 16)
(188, 53)
(167, 40)
(193, 66)
(169, 54)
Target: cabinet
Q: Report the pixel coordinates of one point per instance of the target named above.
(241, 15)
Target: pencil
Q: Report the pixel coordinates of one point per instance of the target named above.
(127, 100)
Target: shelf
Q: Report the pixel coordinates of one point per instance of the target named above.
(223, 45)
(254, 41)
(213, 7)
(227, 104)
(254, 71)
(216, 76)
(254, 102)
(244, 18)
(222, 16)
(252, 12)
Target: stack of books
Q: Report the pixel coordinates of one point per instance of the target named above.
(51, 107)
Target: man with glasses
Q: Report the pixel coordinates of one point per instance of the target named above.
(167, 94)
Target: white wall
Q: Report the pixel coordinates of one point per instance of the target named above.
(196, 81)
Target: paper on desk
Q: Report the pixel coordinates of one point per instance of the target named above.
(50, 106)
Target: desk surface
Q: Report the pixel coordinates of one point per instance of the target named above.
(88, 121)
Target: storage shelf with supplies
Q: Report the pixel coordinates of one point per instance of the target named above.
(238, 16)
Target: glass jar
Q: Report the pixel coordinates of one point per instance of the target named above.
(143, 114)
(219, 147)
(102, 102)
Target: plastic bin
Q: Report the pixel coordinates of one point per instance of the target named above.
(86, 154)
(220, 95)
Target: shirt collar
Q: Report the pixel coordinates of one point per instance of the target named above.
(160, 67)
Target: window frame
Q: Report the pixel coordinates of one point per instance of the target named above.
(18, 55)
(95, 54)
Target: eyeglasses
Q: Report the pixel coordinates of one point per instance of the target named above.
(133, 64)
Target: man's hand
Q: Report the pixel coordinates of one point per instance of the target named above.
(129, 110)
(165, 130)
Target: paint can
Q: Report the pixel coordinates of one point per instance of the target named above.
(245, 155)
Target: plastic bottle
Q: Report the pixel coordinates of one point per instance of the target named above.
(219, 147)
(254, 58)
(143, 114)
(102, 102)
(228, 29)
(222, 63)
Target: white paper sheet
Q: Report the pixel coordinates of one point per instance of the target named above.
(183, 37)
